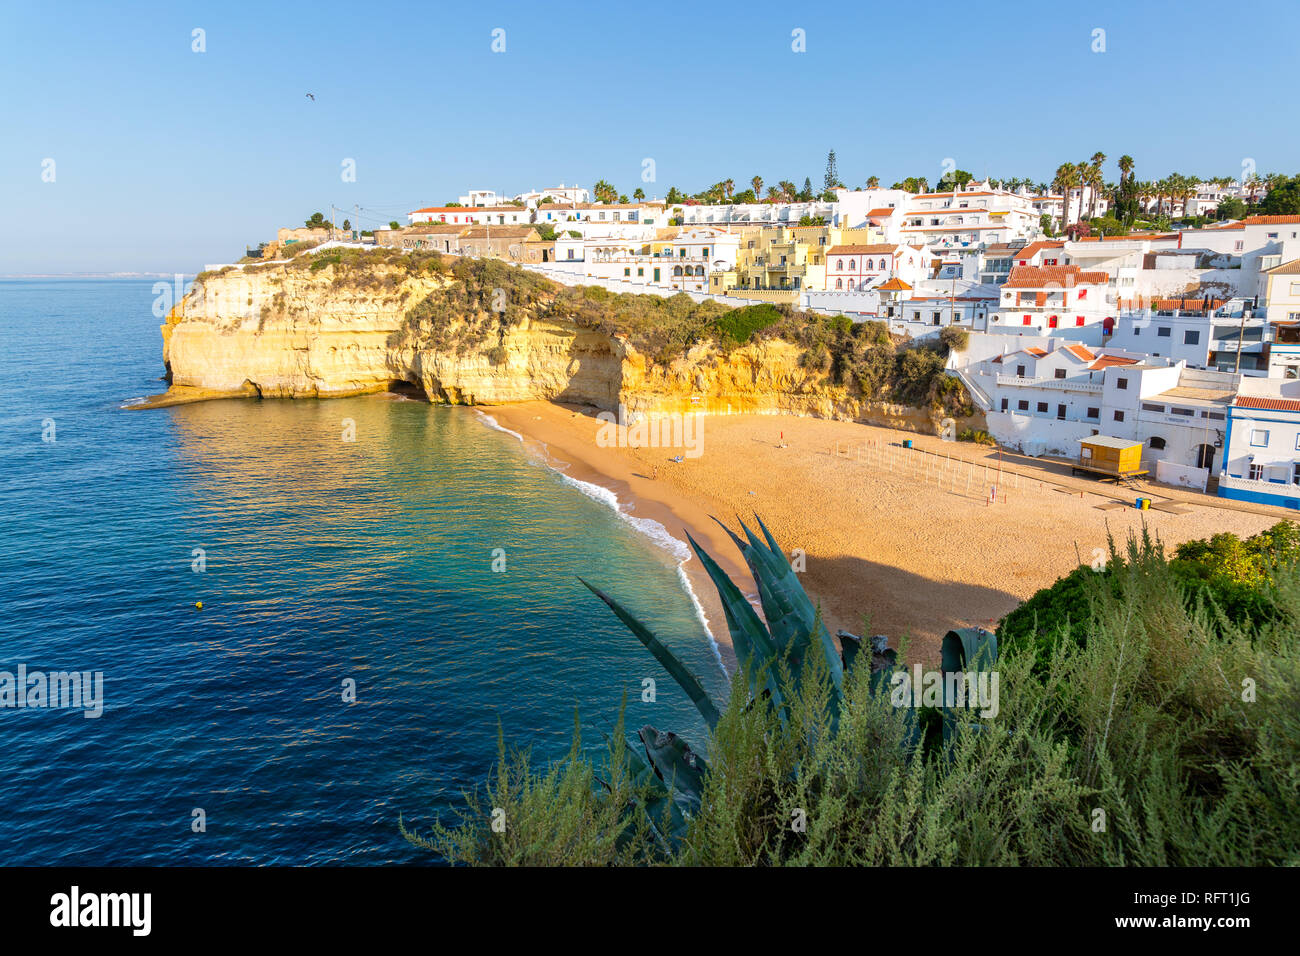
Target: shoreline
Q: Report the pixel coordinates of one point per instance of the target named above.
(887, 551)
(633, 495)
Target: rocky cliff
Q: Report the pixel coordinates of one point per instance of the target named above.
(293, 329)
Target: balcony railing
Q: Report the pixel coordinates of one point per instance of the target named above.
(1069, 385)
(1267, 487)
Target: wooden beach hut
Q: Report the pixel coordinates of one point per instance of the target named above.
(1113, 457)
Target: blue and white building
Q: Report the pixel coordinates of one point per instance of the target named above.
(1262, 457)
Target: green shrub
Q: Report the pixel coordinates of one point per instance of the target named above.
(1180, 728)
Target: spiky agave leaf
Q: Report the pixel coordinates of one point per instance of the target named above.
(682, 674)
(795, 622)
(663, 812)
(968, 649)
(754, 646)
(678, 766)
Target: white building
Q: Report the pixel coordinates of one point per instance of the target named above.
(1056, 300)
(971, 217)
(466, 215)
(1044, 397)
(1262, 462)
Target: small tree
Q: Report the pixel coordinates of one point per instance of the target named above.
(318, 221)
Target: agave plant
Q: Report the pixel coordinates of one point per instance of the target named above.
(776, 651)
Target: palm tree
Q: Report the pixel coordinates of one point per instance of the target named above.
(1125, 168)
(728, 187)
(757, 183)
(1095, 181)
(604, 191)
(873, 182)
(638, 194)
(773, 194)
(1067, 176)
(787, 190)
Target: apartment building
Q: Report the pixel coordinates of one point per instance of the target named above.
(1056, 300)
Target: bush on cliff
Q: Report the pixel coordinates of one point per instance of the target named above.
(1178, 733)
(1234, 581)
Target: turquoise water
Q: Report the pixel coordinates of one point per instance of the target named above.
(326, 561)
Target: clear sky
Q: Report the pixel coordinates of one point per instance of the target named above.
(165, 159)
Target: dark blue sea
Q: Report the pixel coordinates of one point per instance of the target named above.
(324, 561)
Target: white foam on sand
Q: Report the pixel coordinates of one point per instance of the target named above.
(652, 529)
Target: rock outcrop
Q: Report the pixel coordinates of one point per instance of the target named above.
(285, 330)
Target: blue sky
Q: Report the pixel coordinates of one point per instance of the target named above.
(167, 159)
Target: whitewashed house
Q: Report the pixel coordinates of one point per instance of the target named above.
(1262, 463)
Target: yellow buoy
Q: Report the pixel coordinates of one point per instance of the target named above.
(199, 605)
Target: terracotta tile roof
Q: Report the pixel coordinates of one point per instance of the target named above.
(1061, 277)
(1079, 352)
(1277, 404)
(1106, 361)
(1034, 350)
(894, 285)
(882, 212)
(878, 249)
(1291, 268)
(1035, 247)
(1270, 220)
(498, 232)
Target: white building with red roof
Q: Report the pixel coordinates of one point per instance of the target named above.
(1056, 300)
(1262, 458)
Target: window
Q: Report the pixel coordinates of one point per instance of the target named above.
(627, 272)
(1119, 416)
(1192, 337)
(1026, 322)
(916, 316)
(1256, 472)
(1022, 405)
(1042, 407)
(1052, 322)
(1153, 407)
(1162, 332)
(852, 265)
(1189, 412)
(1259, 437)
(1093, 413)
(1121, 383)
(640, 272)
(1004, 404)
(1295, 473)
(1020, 371)
(656, 275)
(839, 265)
(1078, 320)
(1059, 373)
(1157, 443)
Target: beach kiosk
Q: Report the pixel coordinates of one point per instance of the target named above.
(1113, 457)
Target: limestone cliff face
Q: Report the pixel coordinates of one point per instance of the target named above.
(281, 330)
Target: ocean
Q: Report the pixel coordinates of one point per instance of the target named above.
(321, 564)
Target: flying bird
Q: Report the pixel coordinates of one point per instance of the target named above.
(311, 97)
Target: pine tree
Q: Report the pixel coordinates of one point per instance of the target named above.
(832, 175)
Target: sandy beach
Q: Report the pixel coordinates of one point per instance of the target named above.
(903, 542)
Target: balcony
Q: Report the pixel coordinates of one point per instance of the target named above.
(1064, 384)
(1264, 487)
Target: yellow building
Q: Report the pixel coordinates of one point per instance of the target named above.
(787, 257)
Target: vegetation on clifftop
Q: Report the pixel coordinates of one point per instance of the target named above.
(862, 357)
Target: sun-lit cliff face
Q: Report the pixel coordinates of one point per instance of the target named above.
(285, 330)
